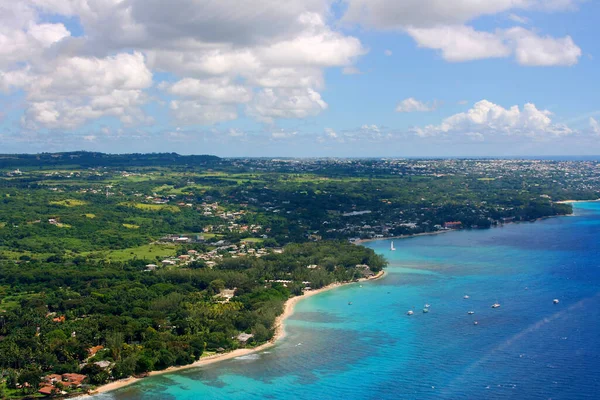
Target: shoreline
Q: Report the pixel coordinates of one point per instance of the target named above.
(288, 311)
(576, 201)
(361, 241)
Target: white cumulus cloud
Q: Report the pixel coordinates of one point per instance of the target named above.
(487, 118)
(413, 105)
(594, 126)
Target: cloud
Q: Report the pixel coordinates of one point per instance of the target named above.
(280, 135)
(331, 133)
(388, 53)
(70, 91)
(463, 43)
(533, 50)
(413, 105)
(190, 112)
(221, 52)
(594, 126)
(236, 133)
(487, 118)
(518, 19)
(460, 43)
(269, 104)
(392, 14)
(442, 25)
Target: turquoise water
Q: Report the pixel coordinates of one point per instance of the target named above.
(529, 348)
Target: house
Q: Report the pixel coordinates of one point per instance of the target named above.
(103, 364)
(49, 390)
(151, 267)
(59, 319)
(244, 337)
(93, 350)
(226, 294)
(168, 262)
(184, 257)
(73, 380)
(52, 378)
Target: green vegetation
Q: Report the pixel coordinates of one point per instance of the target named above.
(56, 310)
(69, 203)
(161, 258)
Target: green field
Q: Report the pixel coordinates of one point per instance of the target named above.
(153, 207)
(131, 226)
(252, 240)
(146, 252)
(69, 203)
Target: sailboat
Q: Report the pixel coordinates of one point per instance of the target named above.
(392, 248)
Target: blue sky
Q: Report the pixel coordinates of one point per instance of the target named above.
(302, 77)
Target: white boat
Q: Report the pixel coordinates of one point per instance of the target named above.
(392, 248)
(555, 301)
(425, 310)
(427, 306)
(466, 296)
(471, 312)
(410, 312)
(496, 305)
(475, 323)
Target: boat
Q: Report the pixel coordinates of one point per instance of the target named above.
(466, 296)
(471, 312)
(425, 310)
(349, 303)
(410, 312)
(475, 323)
(427, 306)
(392, 248)
(555, 301)
(496, 305)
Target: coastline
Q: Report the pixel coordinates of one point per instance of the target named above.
(576, 201)
(361, 241)
(288, 310)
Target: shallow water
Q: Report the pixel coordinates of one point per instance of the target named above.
(529, 348)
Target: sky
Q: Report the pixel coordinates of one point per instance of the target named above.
(301, 78)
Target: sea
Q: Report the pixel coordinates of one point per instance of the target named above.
(528, 348)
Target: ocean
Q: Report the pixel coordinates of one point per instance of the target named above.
(528, 348)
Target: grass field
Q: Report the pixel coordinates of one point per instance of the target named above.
(252, 240)
(147, 252)
(69, 203)
(131, 226)
(153, 207)
(90, 216)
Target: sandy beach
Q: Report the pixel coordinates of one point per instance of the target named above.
(288, 310)
(575, 201)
